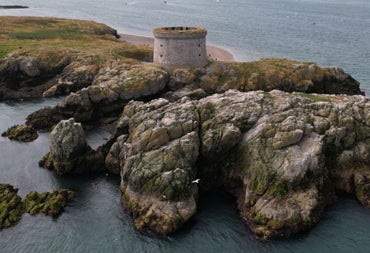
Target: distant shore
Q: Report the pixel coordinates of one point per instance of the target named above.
(214, 52)
(13, 7)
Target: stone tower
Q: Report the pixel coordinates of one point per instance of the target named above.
(180, 46)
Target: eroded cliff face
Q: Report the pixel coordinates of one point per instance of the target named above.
(286, 160)
(158, 163)
(283, 154)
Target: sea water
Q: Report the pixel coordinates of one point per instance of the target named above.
(328, 32)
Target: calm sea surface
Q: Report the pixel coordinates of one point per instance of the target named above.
(328, 32)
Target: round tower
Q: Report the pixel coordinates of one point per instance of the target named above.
(180, 46)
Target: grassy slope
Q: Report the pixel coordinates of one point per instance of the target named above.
(34, 35)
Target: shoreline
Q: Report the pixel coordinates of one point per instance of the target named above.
(214, 52)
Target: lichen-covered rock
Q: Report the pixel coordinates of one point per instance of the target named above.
(112, 88)
(184, 76)
(117, 155)
(187, 91)
(25, 76)
(21, 133)
(362, 187)
(285, 161)
(79, 74)
(11, 206)
(158, 163)
(116, 82)
(223, 119)
(29, 67)
(68, 143)
(282, 154)
(44, 119)
(48, 203)
(282, 74)
(351, 167)
(69, 152)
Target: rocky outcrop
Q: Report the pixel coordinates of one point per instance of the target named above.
(68, 143)
(11, 206)
(274, 150)
(44, 118)
(282, 74)
(286, 153)
(24, 76)
(158, 163)
(21, 133)
(283, 155)
(117, 83)
(112, 89)
(79, 74)
(117, 153)
(69, 152)
(53, 56)
(48, 203)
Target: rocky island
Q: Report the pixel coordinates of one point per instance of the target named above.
(13, 7)
(284, 137)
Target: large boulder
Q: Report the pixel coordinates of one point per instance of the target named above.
(157, 163)
(68, 143)
(69, 152)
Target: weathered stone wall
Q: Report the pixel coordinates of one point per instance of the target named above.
(180, 47)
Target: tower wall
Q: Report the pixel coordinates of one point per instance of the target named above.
(180, 46)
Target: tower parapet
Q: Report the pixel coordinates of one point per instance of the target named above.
(180, 46)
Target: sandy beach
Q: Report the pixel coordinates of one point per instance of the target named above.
(214, 52)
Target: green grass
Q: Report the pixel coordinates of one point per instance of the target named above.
(34, 36)
(268, 95)
(46, 34)
(260, 219)
(314, 98)
(249, 68)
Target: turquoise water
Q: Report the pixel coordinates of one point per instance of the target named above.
(327, 32)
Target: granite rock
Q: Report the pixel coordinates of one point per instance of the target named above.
(284, 155)
(68, 143)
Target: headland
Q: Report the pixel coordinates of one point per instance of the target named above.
(282, 136)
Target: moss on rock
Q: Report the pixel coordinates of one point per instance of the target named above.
(48, 203)
(22, 133)
(11, 206)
